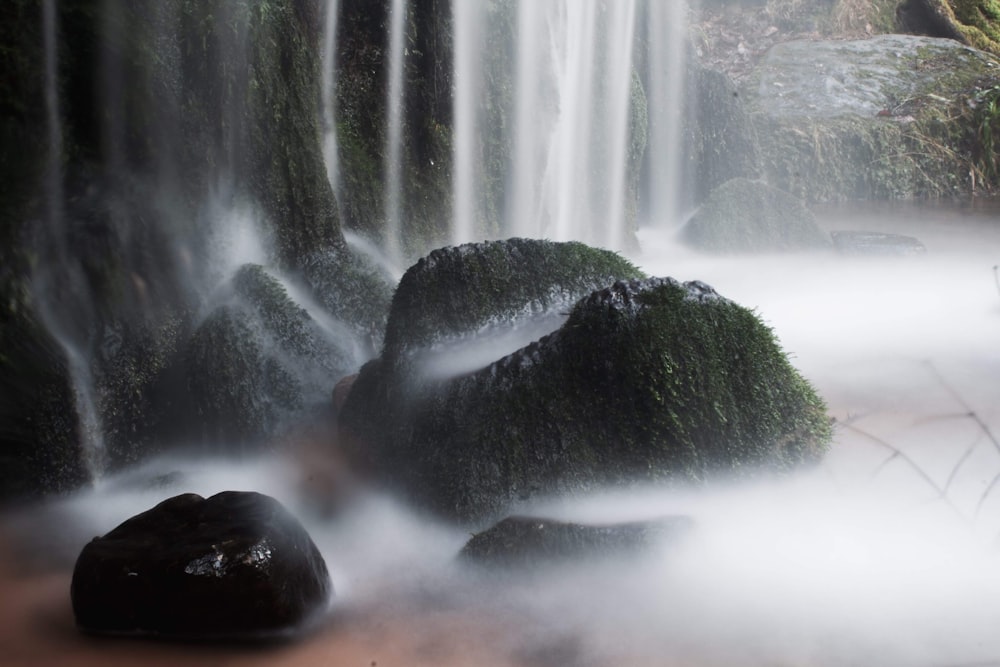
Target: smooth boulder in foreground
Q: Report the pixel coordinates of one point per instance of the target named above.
(236, 565)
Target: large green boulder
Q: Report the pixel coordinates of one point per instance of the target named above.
(646, 381)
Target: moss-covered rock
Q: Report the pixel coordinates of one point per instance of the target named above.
(646, 381)
(894, 116)
(751, 216)
(257, 364)
(974, 22)
(456, 292)
(353, 291)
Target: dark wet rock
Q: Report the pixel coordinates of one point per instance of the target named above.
(893, 116)
(236, 565)
(522, 541)
(341, 390)
(354, 292)
(750, 216)
(876, 243)
(647, 381)
(257, 362)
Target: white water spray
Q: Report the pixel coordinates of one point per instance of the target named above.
(618, 68)
(394, 136)
(64, 303)
(571, 113)
(331, 156)
(468, 51)
(665, 32)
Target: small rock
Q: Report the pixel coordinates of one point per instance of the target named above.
(876, 243)
(521, 541)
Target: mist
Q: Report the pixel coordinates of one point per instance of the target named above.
(886, 553)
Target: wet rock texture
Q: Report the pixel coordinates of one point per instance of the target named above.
(523, 542)
(236, 565)
(647, 380)
(894, 116)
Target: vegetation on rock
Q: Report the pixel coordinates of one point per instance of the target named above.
(456, 291)
(646, 381)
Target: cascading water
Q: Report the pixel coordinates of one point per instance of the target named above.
(665, 28)
(569, 157)
(59, 285)
(328, 87)
(394, 135)
(465, 182)
(618, 70)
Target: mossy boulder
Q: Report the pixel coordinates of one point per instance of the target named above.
(894, 116)
(257, 364)
(750, 216)
(647, 381)
(353, 291)
(457, 292)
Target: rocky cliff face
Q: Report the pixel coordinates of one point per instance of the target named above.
(139, 136)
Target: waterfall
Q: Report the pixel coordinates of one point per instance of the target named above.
(618, 66)
(59, 286)
(394, 138)
(328, 105)
(570, 110)
(667, 78)
(467, 60)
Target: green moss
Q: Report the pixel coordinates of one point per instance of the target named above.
(647, 381)
(852, 157)
(454, 292)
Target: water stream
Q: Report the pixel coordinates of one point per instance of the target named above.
(331, 157)
(65, 304)
(394, 136)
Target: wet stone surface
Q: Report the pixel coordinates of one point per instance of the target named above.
(234, 566)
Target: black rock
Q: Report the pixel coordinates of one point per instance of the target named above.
(234, 566)
(521, 541)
